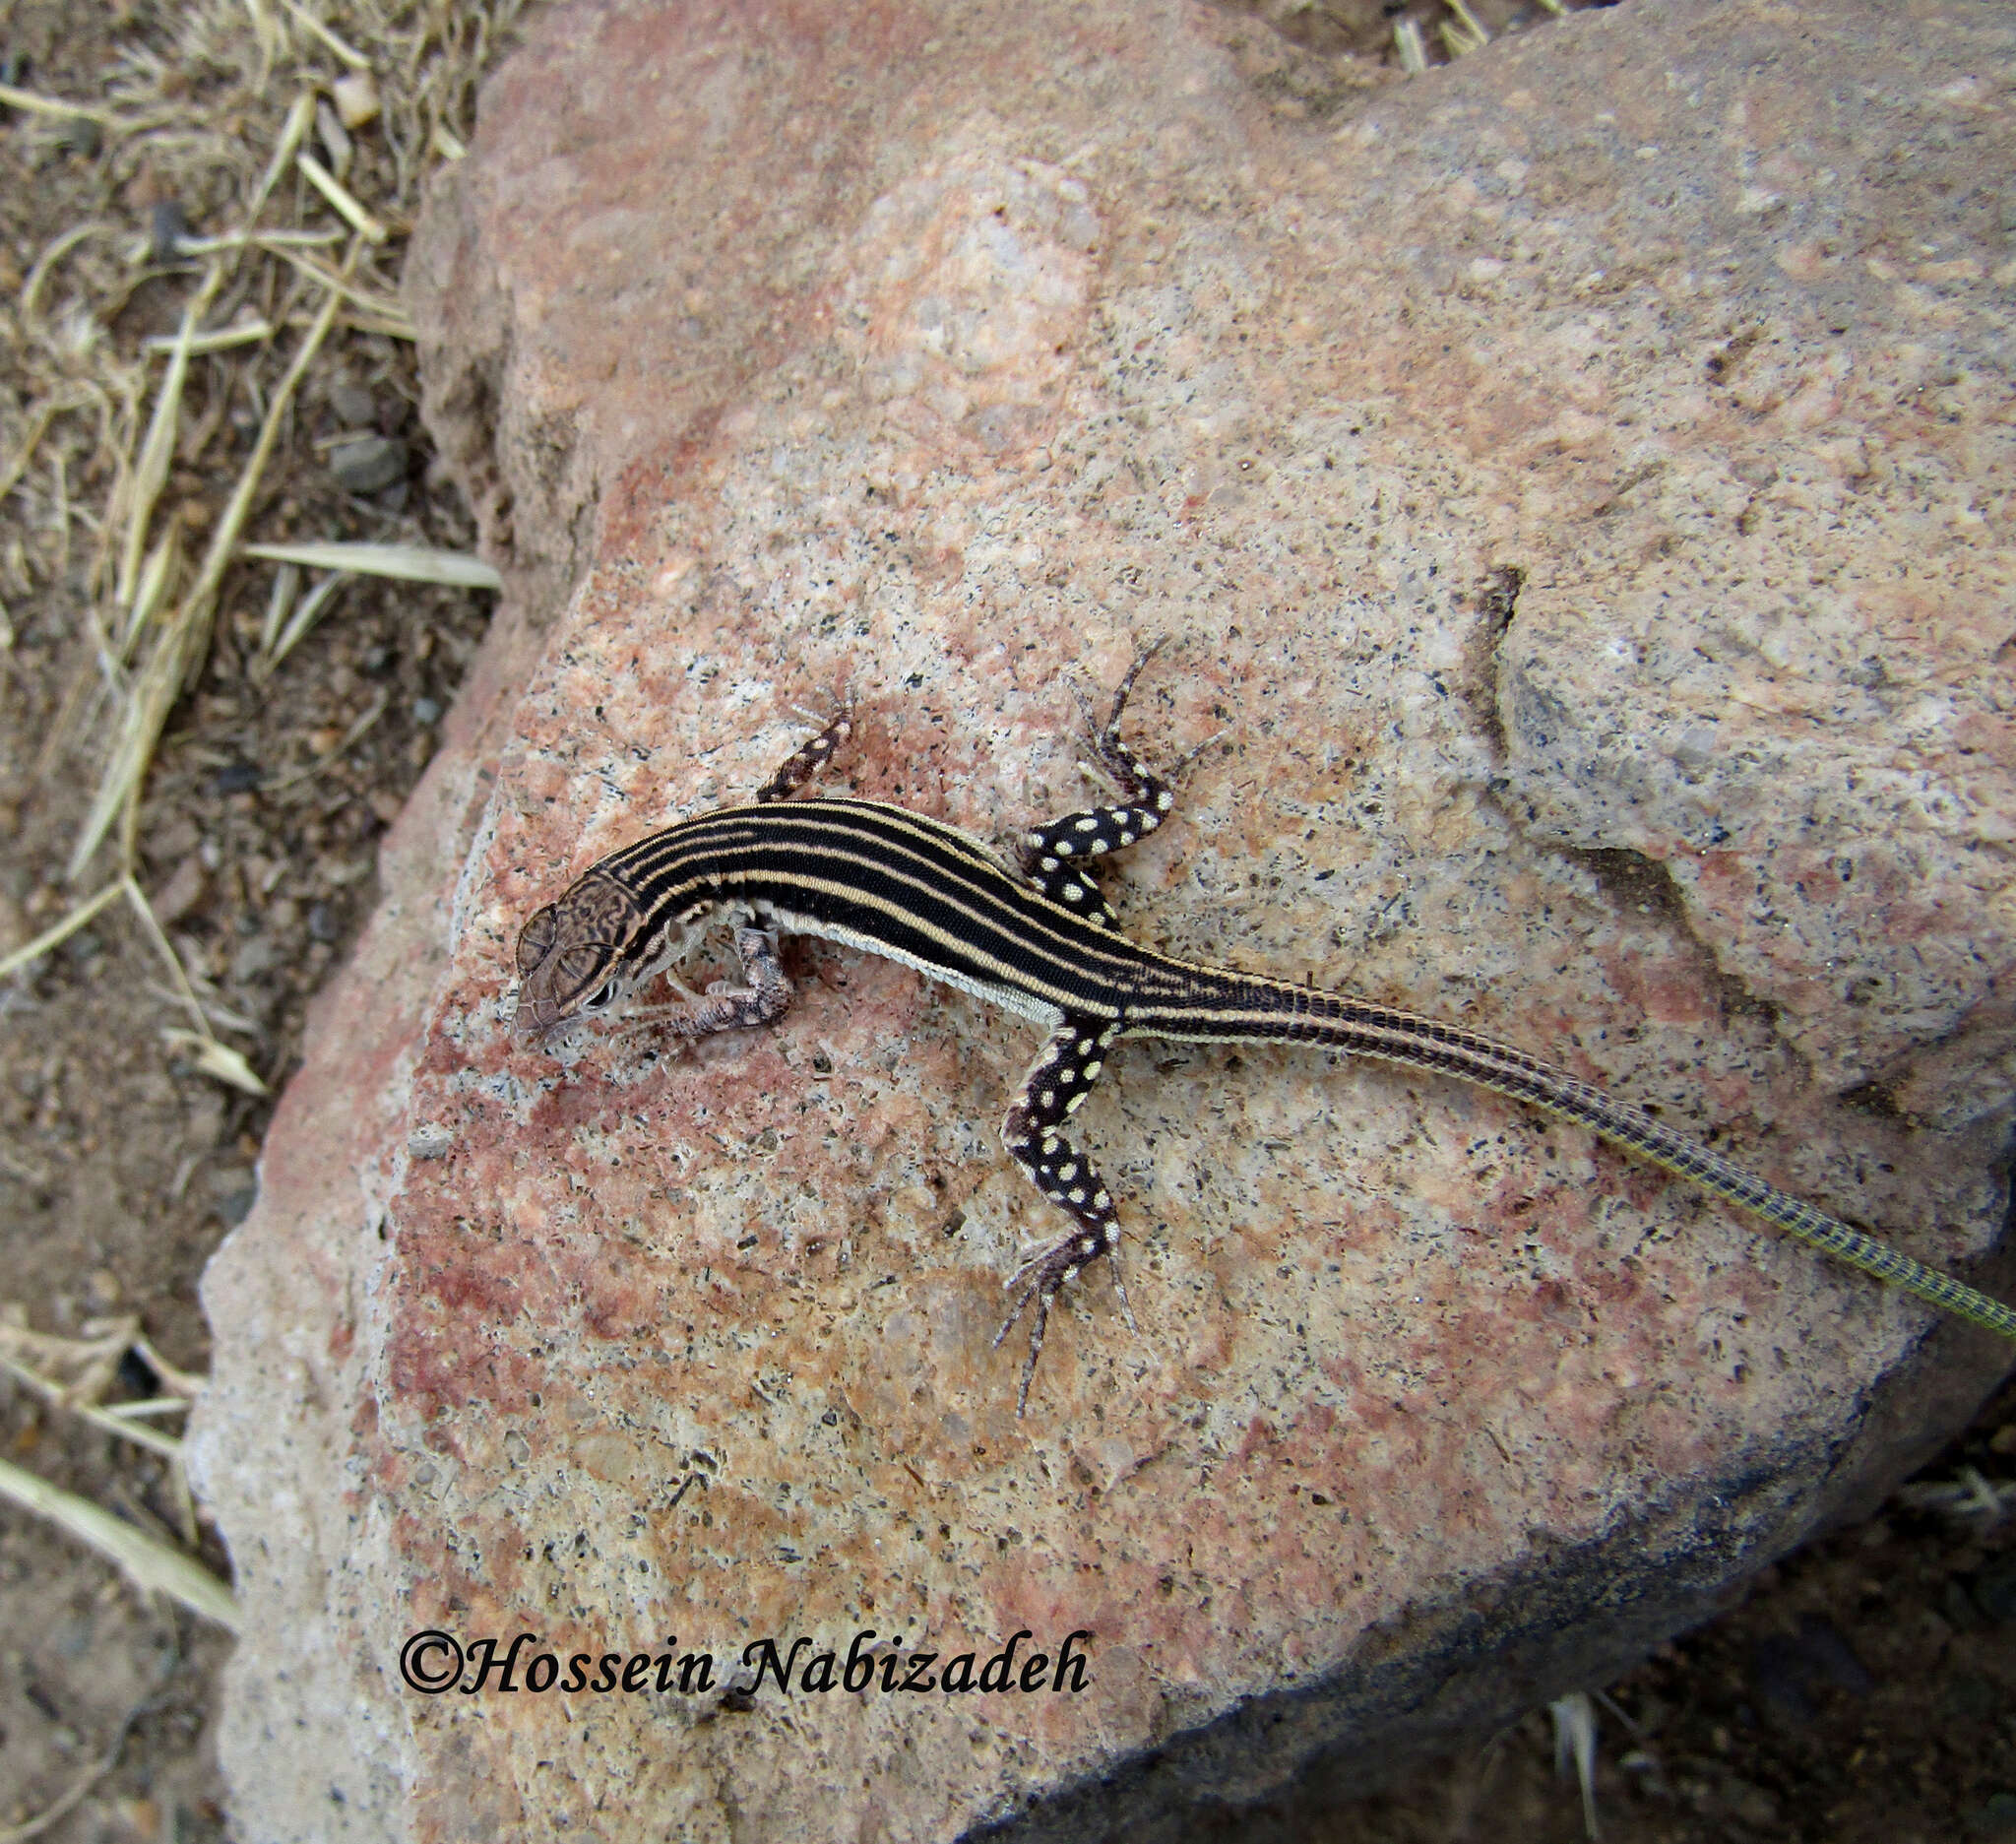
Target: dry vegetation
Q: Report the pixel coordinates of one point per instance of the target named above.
(206, 369)
(206, 383)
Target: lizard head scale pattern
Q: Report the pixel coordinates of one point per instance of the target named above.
(575, 957)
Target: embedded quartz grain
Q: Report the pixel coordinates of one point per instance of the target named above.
(1512, 506)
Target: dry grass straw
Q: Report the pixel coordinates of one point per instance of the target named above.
(425, 59)
(183, 641)
(152, 1565)
(409, 563)
(93, 411)
(73, 1375)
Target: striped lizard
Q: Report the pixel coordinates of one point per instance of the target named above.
(1040, 939)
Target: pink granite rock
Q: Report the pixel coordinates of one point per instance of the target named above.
(1575, 483)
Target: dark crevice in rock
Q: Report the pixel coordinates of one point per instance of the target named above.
(1878, 1099)
(1497, 602)
(1633, 882)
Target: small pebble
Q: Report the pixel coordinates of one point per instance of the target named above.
(174, 841)
(355, 95)
(182, 892)
(1995, 1817)
(74, 1638)
(1779, 1678)
(228, 1180)
(81, 136)
(1751, 1804)
(429, 1140)
(1994, 1589)
(368, 464)
(426, 711)
(258, 956)
(321, 922)
(237, 778)
(1971, 1697)
(1826, 1650)
(167, 227)
(355, 405)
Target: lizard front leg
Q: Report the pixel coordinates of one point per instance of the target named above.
(725, 1006)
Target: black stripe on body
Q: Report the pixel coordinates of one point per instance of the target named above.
(914, 888)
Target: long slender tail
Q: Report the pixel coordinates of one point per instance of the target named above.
(1234, 1007)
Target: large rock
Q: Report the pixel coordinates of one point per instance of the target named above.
(1575, 484)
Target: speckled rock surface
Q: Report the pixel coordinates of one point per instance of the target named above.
(1575, 484)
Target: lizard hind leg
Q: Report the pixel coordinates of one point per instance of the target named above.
(1033, 1132)
(809, 758)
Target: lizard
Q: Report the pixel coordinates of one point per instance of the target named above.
(1038, 937)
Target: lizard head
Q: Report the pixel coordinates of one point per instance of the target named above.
(573, 958)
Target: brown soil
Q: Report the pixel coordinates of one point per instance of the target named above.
(1862, 1691)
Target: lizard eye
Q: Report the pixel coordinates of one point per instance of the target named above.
(585, 969)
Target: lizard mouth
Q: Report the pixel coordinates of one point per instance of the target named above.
(533, 1017)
